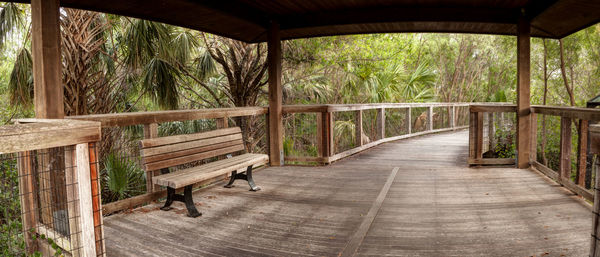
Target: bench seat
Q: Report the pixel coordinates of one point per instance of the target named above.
(210, 170)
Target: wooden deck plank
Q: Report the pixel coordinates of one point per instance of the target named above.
(436, 206)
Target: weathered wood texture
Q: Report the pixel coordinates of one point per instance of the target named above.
(45, 51)
(275, 95)
(136, 118)
(565, 148)
(46, 134)
(523, 92)
(594, 241)
(436, 206)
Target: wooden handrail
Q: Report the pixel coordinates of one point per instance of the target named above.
(34, 134)
(356, 107)
(567, 112)
(137, 118)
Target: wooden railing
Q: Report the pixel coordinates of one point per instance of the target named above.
(484, 121)
(58, 185)
(325, 125)
(150, 122)
(581, 117)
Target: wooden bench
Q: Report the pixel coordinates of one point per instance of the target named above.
(164, 152)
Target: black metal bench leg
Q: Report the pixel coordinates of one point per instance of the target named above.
(232, 179)
(170, 199)
(189, 202)
(250, 180)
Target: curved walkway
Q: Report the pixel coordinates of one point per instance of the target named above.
(432, 204)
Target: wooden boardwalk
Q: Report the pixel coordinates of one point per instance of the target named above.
(432, 204)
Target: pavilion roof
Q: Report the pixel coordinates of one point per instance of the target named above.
(248, 20)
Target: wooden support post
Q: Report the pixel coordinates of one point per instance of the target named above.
(151, 131)
(28, 198)
(523, 93)
(275, 96)
(358, 128)
(408, 121)
(430, 118)
(325, 134)
(565, 148)
(86, 213)
(533, 151)
(380, 123)
(582, 152)
(45, 48)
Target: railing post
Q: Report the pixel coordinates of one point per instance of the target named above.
(151, 131)
(380, 123)
(430, 118)
(325, 134)
(479, 133)
(86, 236)
(533, 150)
(582, 152)
(358, 128)
(565, 148)
(28, 197)
(408, 121)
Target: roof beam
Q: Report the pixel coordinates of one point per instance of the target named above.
(400, 14)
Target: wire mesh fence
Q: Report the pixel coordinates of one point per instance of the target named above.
(396, 122)
(39, 195)
(300, 135)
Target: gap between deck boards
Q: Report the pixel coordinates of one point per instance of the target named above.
(356, 240)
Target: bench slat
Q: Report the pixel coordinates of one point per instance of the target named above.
(190, 158)
(200, 173)
(154, 158)
(208, 166)
(165, 149)
(154, 142)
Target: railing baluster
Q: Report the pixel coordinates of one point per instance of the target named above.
(380, 123)
(533, 150)
(358, 128)
(408, 121)
(430, 118)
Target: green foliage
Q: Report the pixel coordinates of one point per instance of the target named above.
(11, 237)
(121, 178)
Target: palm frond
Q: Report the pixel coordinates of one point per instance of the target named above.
(160, 80)
(11, 17)
(20, 85)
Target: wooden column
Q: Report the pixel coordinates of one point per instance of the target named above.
(565, 148)
(380, 123)
(582, 152)
(523, 93)
(45, 48)
(430, 118)
(408, 121)
(358, 128)
(151, 131)
(275, 96)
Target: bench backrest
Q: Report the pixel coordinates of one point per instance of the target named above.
(164, 152)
